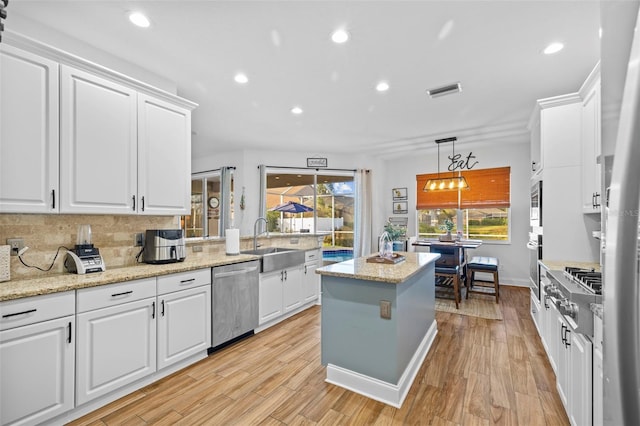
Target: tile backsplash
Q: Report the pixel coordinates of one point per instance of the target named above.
(43, 234)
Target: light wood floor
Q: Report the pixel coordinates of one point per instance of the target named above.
(478, 372)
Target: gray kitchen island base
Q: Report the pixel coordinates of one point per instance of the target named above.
(374, 356)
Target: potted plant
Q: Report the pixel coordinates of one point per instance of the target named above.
(396, 234)
(447, 226)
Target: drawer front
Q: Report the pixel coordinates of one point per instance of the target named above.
(30, 310)
(311, 256)
(183, 280)
(115, 294)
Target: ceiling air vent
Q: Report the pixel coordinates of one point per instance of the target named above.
(445, 90)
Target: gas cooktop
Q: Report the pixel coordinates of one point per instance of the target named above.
(587, 278)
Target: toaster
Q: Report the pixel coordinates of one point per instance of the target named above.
(164, 246)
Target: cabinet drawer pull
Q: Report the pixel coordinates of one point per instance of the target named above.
(69, 335)
(285, 275)
(162, 308)
(142, 203)
(124, 293)
(133, 197)
(187, 281)
(153, 310)
(53, 198)
(19, 313)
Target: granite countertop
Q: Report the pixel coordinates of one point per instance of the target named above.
(17, 289)
(597, 309)
(558, 265)
(397, 273)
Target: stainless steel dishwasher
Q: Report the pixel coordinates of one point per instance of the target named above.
(235, 301)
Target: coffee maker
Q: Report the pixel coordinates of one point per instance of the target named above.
(84, 258)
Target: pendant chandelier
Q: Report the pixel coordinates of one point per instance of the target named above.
(451, 183)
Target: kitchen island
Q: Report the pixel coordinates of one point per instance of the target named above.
(367, 350)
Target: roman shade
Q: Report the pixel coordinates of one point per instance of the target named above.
(488, 188)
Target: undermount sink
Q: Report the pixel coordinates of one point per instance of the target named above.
(276, 258)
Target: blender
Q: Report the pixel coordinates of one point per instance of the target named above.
(84, 258)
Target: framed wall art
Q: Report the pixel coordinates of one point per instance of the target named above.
(400, 207)
(399, 194)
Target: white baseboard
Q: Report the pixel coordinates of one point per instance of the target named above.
(379, 390)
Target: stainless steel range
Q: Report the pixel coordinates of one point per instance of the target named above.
(572, 291)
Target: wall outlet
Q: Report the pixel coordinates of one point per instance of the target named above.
(385, 309)
(139, 241)
(16, 244)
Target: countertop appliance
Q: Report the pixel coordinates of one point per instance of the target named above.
(621, 285)
(164, 246)
(84, 258)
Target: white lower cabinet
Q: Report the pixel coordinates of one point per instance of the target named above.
(598, 373)
(184, 318)
(580, 382)
(37, 358)
(570, 355)
(292, 289)
(311, 280)
(563, 362)
(116, 337)
(280, 292)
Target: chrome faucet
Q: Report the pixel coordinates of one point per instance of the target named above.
(255, 231)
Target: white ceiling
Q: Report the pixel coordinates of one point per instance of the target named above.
(492, 47)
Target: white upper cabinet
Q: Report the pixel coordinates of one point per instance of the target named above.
(98, 149)
(591, 148)
(28, 132)
(164, 157)
(76, 137)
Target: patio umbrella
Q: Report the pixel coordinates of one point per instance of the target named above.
(291, 207)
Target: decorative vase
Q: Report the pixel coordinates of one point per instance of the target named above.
(446, 237)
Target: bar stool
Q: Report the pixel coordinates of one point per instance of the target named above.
(483, 264)
(448, 269)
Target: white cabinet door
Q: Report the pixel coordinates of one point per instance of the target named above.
(292, 289)
(37, 371)
(591, 191)
(535, 312)
(98, 149)
(270, 296)
(116, 346)
(164, 157)
(563, 362)
(580, 382)
(598, 387)
(28, 132)
(184, 324)
(551, 338)
(311, 286)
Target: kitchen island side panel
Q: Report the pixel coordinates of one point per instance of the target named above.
(415, 314)
(356, 338)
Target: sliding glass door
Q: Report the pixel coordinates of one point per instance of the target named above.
(328, 194)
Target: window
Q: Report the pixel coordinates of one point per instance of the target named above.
(211, 204)
(481, 212)
(329, 194)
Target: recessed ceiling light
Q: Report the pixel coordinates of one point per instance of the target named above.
(553, 48)
(138, 19)
(340, 36)
(296, 110)
(382, 86)
(241, 78)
